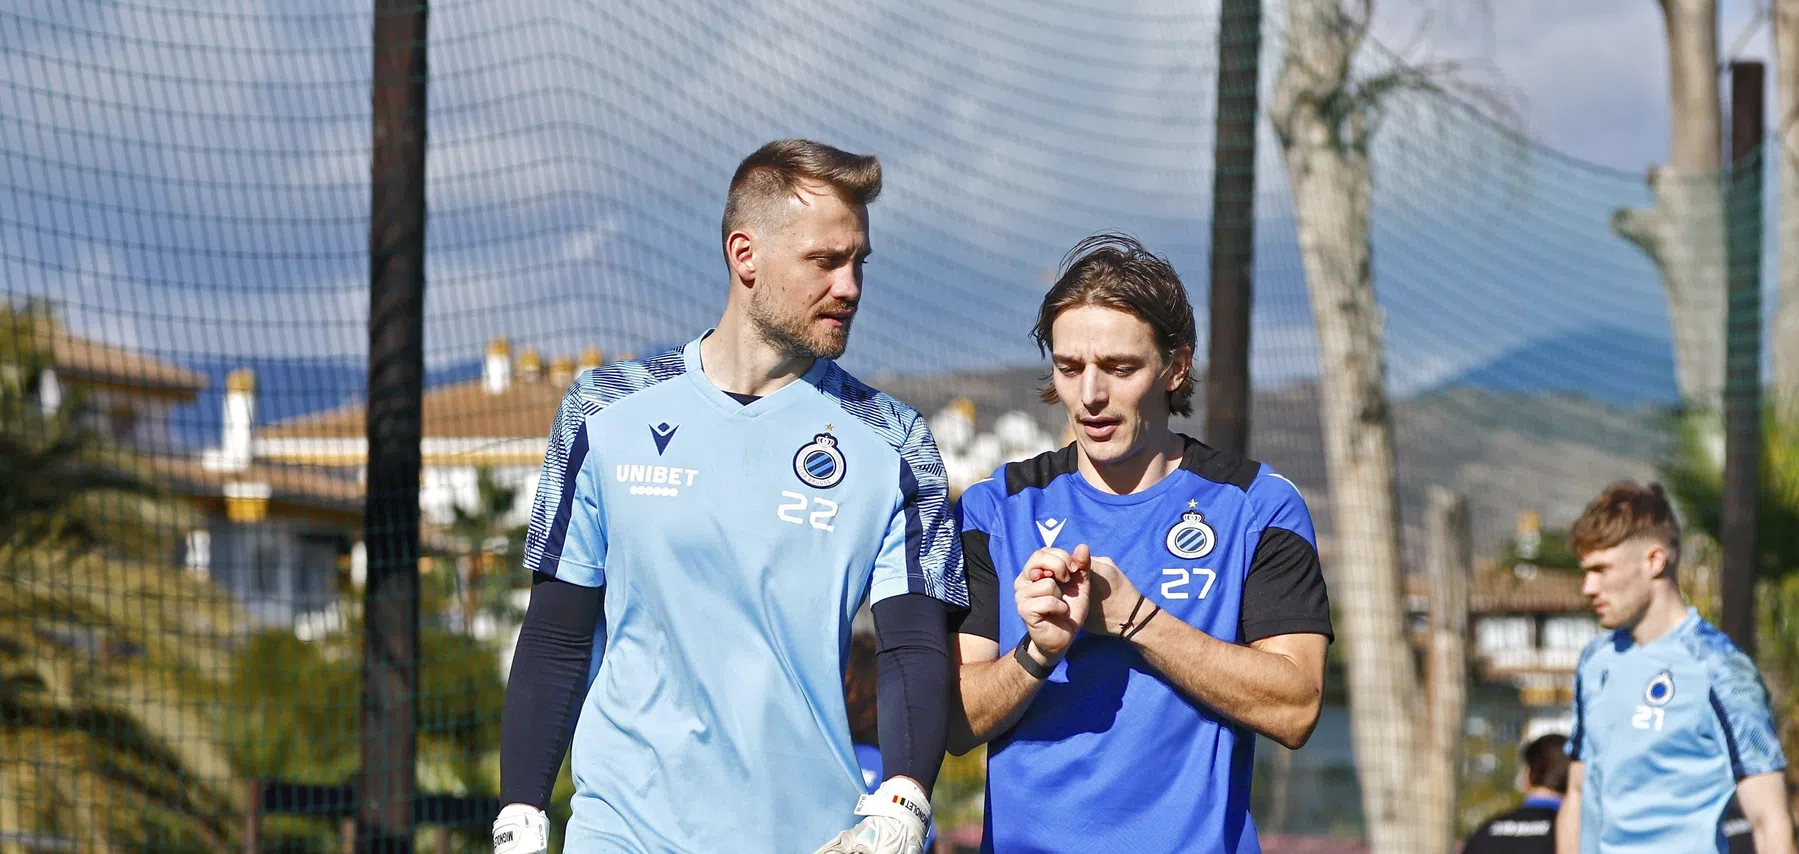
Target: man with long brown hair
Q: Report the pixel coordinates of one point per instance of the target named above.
(1670, 718)
(1166, 597)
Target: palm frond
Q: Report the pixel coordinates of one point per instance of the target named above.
(111, 659)
(1696, 482)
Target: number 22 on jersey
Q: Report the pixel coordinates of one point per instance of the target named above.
(793, 509)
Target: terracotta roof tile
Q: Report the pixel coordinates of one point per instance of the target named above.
(304, 486)
(463, 410)
(87, 359)
(1501, 590)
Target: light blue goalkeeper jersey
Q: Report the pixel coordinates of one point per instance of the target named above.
(735, 543)
(1665, 730)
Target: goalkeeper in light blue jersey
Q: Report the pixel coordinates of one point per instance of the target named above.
(1670, 718)
(715, 516)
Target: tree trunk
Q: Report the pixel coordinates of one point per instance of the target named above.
(1327, 166)
(1451, 565)
(387, 781)
(1232, 294)
(1786, 134)
(1683, 234)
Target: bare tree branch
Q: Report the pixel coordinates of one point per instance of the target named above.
(1642, 227)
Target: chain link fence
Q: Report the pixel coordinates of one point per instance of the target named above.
(184, 252)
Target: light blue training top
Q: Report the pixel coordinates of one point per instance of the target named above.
(1665, 730)
(735, 543)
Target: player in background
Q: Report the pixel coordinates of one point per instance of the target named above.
(1529, 829)
(716, 515)
(1738, 830)
(1670, 718)
(1163, 600)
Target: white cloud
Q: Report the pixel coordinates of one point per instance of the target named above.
(582, 245)
(1591, 78)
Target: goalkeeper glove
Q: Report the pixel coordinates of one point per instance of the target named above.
(896, 817)
(521, 829)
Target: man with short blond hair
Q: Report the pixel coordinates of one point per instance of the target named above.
(1670, 718)
(719, 513)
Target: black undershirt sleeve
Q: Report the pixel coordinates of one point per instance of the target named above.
(1284, 593)
(912, 666)
(546, 687)
(982, 617)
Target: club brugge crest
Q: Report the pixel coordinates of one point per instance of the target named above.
(819, 464)
(1191, 537)
(1659, 690)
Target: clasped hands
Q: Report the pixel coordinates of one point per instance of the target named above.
(1059, 593)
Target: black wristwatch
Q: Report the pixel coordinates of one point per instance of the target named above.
(1037, 671)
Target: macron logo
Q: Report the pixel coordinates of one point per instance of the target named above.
(662, 433)
(1048, 529)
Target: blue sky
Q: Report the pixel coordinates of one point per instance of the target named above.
(194, 183)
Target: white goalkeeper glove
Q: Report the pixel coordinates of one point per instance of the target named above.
(521, 829)
(896, 817)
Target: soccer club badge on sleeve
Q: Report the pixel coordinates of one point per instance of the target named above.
(818, 463)
(1191, 537)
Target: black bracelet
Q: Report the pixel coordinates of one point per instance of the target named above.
(1133, 617)
(1036, 671)
(1139, 628)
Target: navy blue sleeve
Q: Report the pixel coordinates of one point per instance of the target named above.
(546, 687)
(912, 664)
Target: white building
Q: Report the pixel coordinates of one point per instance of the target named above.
(272, 535)
(498, 423)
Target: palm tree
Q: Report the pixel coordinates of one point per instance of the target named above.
(1696, 477)
(105, 667)
(107, 652)
(64, 487)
